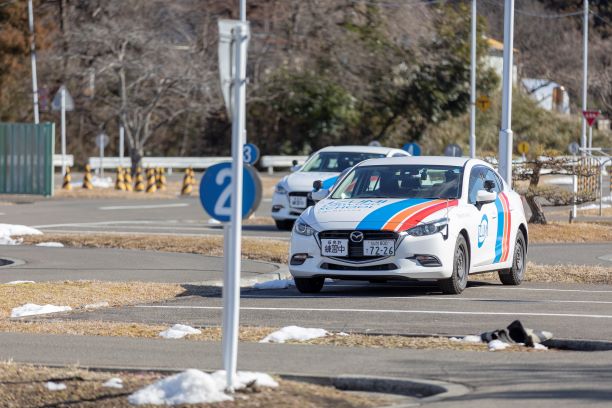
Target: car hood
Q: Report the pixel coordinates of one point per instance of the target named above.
(302, 180)
(375, 214)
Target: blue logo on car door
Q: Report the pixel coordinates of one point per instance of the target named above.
(483, 230)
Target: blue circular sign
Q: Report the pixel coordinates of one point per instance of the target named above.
(413, 148)
(216, 191)
(250, 153)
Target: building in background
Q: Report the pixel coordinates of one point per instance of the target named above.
(548, 94)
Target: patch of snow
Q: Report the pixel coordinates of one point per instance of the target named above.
(178, 331)
(30, 309)
(213, 221)
(495, 345)
(51, 244)
(539, 346)
(274, 284)
(53, 386)
(19, 282)
(196, 387)
(100, 182)
(8, 230)
(189, 387)
(294, 333)
(467, 339)
(593, 206)
(96, 305)
(114, 383)
(342, 334)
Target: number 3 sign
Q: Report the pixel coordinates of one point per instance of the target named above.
(216, 189)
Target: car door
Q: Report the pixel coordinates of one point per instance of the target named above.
(482, 221)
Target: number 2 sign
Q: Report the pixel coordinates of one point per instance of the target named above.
(216, 189)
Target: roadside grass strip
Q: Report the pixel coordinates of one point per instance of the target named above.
(559, 232)
(24, 385)
(82, 294)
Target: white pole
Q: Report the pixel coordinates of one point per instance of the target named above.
(585, 70)
(473, 85)
(590, 140)
(231, 291)
(33, 58)
(63, 125)
(574, 190)
(121, 143)
(505, 133)
(243, 11)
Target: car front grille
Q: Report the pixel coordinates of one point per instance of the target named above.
(336, 267)
(355, 249)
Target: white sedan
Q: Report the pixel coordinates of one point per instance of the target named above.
(413, 218)
(291, 193)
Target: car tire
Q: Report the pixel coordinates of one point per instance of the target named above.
(284, 225)
(309, 285)
(515, 275)
(461, 268)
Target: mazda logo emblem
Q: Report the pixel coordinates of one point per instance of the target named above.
(356, 236)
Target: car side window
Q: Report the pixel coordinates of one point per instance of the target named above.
(477, 179)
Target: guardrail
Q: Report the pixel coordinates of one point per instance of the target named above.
(267, 162)
(271, 162)
(57, 160)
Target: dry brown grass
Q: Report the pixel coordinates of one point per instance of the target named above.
(556, 232)
(173, 190)
(77, 294)
(589, 274)
(252, 248)
(23, 385)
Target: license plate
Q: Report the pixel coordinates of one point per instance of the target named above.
(334, 247)
(382, 247)
(297, 201)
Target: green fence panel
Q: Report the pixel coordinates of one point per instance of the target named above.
(26, 158)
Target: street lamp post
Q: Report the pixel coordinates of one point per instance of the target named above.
(505, 133)
(473, 85)
(585, 70)
(33, 58)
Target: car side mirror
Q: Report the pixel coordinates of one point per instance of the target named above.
(317, 185)
(295, 167)
(485, 197)
(319, 194)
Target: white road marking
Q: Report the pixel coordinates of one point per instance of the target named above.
(419, 298)
(386, 311)
(143, 207)
(487, 287)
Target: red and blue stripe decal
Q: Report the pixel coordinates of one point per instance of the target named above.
(403, 215)
(502, 242)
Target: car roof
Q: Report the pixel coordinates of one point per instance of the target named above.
(421, 160)
(360, 149)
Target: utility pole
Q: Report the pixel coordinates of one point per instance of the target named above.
(473, 85)
(33, 57)
(505, 133)
(585, 70)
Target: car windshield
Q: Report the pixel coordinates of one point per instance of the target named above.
(401, 181)
(336, 162)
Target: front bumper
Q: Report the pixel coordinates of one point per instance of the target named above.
(401, 265)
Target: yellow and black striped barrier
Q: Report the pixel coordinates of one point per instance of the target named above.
(87, 178)
(187, 183)
(120, 182)
(127, 178)
(139, 182)
(151, 182)
(67, 178)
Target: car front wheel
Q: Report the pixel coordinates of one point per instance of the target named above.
(516, 274)
(461, 268)
(309, 285)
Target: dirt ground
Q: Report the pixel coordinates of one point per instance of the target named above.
(23, 385)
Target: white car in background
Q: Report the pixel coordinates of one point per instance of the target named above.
(291, 193)
(420, 218)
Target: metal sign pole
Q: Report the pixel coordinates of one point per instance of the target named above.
(121, 142)
(574, 190)
(585, 70)
(101, 170)
(33, 58)
(473, 85)
(231, 291)
(590, 140)
(63, 125)
(505, 133)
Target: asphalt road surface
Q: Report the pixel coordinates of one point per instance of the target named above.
(569, 311)
(501, 379)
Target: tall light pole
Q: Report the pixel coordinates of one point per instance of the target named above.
(585, 70)
(33, 57)
(505, 133)
(473, 85)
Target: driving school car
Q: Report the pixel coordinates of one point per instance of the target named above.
(291, 193)
(421, 218)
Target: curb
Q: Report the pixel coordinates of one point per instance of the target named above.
(282, 272)
(578, 345)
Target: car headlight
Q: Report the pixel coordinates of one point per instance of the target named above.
(301, 228)
(280, 189)
(429, 228)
